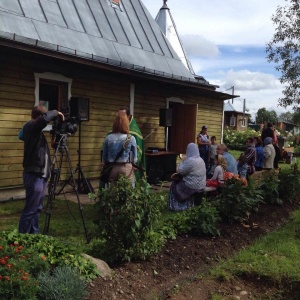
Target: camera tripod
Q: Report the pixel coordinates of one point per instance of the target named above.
(62, 149)
(83, 184)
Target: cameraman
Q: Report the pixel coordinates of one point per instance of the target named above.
(36, 164)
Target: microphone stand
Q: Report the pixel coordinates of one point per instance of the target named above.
(150, 133)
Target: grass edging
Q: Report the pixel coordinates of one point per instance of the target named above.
(274, 257)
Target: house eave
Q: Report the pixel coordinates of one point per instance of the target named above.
(115, 66)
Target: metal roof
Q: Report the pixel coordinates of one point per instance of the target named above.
(229, 107)
(125, 36)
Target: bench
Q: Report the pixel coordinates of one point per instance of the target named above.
(207, 193)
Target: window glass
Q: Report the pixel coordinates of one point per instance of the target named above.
(232, 121)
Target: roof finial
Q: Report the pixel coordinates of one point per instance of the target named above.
(165, 2)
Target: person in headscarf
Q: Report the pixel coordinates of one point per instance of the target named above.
(220, 169)
(193, 173)
(269, 153)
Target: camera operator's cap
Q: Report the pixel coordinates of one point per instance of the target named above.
(204, 127)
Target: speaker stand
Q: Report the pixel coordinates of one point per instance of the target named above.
(167, 138)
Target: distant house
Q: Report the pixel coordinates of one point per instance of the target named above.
(288, 126)
(106, 54)
(237, 120)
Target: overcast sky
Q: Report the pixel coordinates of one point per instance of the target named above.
(226, 44)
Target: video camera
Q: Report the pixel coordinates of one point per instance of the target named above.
(61, 129)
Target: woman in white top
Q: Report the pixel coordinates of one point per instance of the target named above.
(193, 173)
(220, 169)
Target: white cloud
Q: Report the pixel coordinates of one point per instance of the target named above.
(225, 42)
(230, 22)
(196, 45)
(245, 80)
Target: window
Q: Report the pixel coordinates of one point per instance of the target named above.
(243, 122)
(52, 91)
(232, 121)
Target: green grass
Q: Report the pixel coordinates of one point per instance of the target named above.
(65, 222)
(275, 256)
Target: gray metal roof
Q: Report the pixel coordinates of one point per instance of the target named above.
(229, 107)
(127, 37)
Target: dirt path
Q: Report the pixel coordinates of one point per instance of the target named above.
(178, 271)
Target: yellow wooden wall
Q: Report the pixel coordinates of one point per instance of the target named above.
(106, 92)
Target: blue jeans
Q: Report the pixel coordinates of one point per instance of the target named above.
(35, 192)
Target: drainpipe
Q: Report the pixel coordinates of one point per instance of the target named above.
(131, 105)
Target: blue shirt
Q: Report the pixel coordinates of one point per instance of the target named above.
(113, 144)
(259, 156)
(231, 163)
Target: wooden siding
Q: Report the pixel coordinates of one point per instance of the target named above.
(106, 92)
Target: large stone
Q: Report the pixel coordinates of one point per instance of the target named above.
(102, 266)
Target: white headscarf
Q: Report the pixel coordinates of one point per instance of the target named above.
(192, 151)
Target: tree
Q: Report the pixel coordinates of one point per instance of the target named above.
(287, 116)
(296, 117)
(264, 116)
(284, 48)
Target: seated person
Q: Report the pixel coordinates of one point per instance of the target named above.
(220, 169)
(231, 163)
(193, 172)
(242, 166)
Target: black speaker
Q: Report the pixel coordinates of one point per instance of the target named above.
(79, 108)
(165, 117)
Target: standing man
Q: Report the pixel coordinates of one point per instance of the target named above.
(36, 164)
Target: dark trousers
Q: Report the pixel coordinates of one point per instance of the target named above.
(35, 192)
(204, 154)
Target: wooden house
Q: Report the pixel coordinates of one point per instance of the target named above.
(237, 120)
(107, 54)
(289, 127)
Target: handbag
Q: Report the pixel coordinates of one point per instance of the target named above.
(105, 173)
(107, 168)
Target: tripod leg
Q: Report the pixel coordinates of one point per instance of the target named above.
(83, 184)
(77, 196)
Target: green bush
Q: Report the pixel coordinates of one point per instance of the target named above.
(237, 201)
(54, 252)
(289, 182)
(235, 139)
(64, 284)
(125, 222)
(201, 219)
(270, 188)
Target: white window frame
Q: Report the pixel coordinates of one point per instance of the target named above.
(49, 76)
(234, 121)
(243, 122)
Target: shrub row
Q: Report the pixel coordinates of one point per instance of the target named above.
(135, 223)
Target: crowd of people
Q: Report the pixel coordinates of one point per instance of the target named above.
(205, 165)
(212, 163)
